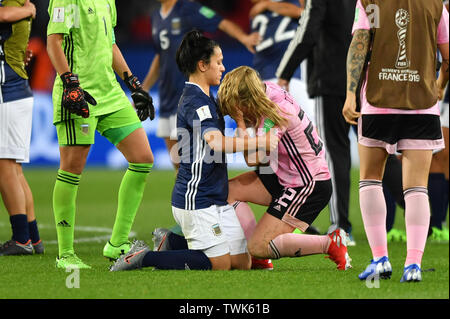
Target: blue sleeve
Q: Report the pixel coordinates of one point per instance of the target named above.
(201, 17)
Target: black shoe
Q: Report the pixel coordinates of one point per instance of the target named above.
(12, 247)
(38, 247)
(311, 230)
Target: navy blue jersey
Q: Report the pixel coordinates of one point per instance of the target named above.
(276, 32)
(202, 178)
(167, 34)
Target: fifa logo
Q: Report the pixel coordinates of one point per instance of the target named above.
(402, 20)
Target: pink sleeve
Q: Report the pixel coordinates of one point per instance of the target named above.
(442, 34)
(361, 19)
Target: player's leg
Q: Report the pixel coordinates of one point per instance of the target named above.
(334, 130)
(207, 243)
(438, 190)
(15, 135)
(125, 131)
(167, 129)
(373, 209)
(253, 187)
(14, 200)
(416, 164)
(72, 162)
(33, 229)
(243, 189)
(298, 208)
(75, 138)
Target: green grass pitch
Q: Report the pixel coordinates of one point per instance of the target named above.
(312, 277)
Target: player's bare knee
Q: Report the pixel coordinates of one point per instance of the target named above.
(241, 261)
(221, 263)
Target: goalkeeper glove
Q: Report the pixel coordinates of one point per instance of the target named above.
(74, 98)
(143, 102)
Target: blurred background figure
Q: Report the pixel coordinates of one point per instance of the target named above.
(16, 105)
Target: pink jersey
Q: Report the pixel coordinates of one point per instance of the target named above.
(301, 154)
(362, 23)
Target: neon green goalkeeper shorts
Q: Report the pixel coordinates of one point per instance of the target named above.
(114, 126)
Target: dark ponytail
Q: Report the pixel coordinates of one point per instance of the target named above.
(195, 47)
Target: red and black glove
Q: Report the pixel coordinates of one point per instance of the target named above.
(143, 102)
(74, 98)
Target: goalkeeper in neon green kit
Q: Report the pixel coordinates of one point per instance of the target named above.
(86, 98)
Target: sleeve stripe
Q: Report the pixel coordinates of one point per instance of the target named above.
(298, 38)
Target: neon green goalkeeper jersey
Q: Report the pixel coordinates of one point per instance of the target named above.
(88, 29)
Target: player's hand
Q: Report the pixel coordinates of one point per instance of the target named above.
(349, 109)
(251, 40)
(284, 84)
(74, 98)
(28, 56)
(30, 7)
(143, 102)
(269, 141)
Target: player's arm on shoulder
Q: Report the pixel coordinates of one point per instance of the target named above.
(235, 31)
(282, 8)
(14, 13)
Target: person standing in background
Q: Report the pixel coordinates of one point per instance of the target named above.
(16, 105)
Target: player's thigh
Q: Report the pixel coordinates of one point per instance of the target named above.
(136, 148)
(124, 130)
(248, 187)
(202, 230)
(415, 168)
(372, 161)
(237, 243)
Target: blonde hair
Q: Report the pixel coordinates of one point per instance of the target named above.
(242, 89)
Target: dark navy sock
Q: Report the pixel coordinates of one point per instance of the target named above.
(34, 231)
(391, 207)
(19, 225)
(177, 242)
(436, 188)
(177, 259)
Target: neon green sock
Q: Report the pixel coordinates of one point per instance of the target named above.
(64, 197)
(131, 192)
